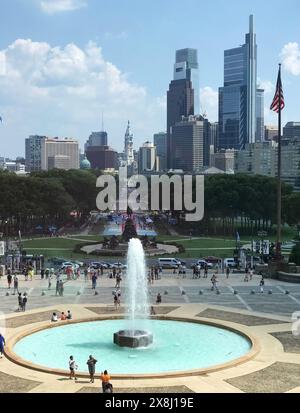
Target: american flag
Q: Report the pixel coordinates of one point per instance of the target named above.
(278, 95)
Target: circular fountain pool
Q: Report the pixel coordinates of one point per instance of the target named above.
(177, 346)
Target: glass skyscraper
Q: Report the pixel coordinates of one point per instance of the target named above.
(186, 67)
(183, 93)
(239, 97)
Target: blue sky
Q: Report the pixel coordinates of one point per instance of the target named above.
(64, 61)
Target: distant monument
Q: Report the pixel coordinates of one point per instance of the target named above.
(129, 230)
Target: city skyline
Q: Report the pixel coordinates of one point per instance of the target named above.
(67, 77)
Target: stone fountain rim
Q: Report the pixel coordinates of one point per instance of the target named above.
(241, 330)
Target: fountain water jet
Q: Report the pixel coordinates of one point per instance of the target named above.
(137, 299)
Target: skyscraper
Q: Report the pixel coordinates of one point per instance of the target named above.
(188, 137)
(160, 142)
(239, 96)
(183, 94)
(33, 148)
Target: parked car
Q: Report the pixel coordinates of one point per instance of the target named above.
(69, 264)
(230, 262)
(119, 266)
(169, 263)
(96, 265)
(202, 264)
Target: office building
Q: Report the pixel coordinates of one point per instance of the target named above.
(213, 134)
(59, 153)
(224, 160)
(160, 142)
(291, 130)
(257, 159)
(147, 158)
(97, 139)
(187, 144)
(183, 93)
(102, 157)
(240, 102)
(33, 148)
(271, 133)
(260, 116)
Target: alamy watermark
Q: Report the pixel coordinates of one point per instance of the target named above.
(141, 194)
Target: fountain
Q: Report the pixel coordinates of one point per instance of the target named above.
(137, 300)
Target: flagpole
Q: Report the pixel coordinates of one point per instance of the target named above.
(279, 184)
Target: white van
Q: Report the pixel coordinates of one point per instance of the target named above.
(168, 263)
(229, 262)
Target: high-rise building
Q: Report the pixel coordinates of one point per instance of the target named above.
(271, 133)
(239, 97)
(261, 159)
(188, 137)
(213, 134)
(160, 142)
(59, 153)
(97, 139)
(260, 115)
(33, 147)
(291, 130)
(187, 67)
(183, 93)
(147, 159)
(102, 157)
(128, 146)
(257, 159)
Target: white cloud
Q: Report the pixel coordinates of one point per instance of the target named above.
(61, 91)
(209, 102)
(290, 55)
(58, 6)
(267, 85)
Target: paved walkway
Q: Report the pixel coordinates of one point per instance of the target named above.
(234, 293)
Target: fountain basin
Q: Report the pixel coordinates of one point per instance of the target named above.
(133, 339)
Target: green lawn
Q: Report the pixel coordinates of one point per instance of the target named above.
(195, 248)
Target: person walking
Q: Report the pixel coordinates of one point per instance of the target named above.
(251, 274)
(227, 272)
(92, 367)
(20, 302)
(49, 281)
(2, 344)
(106, 385)
(16, 284)
(24, 302)
(85, 274)
(42, 273)
(61, 288)
(261, 285)
(205, 271)
(9, 280)
(158, 298)
(57, 286)
(94, 281)
(72, 366)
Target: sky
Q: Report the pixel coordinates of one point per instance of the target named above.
(64, 62)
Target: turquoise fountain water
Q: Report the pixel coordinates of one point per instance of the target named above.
(177, 346)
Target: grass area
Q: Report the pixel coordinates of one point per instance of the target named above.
(195, 248)
(50, 243)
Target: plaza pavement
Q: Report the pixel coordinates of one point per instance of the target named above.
(267, 317)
